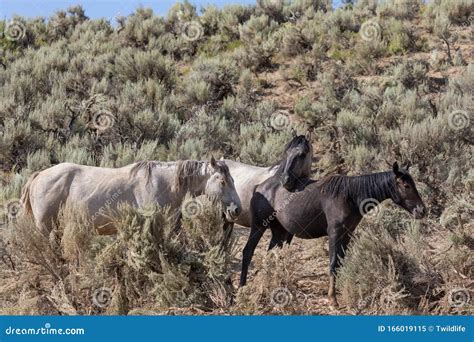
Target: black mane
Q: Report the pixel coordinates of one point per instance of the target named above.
(379, 186)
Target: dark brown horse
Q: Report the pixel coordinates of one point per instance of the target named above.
(333, 206)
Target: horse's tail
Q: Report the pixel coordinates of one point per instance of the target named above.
(25, 194)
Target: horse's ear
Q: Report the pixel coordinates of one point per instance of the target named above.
(396, 169)
(213, 162)
(293, 132)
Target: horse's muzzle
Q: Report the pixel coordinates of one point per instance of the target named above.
(232, 213)
(419, 212)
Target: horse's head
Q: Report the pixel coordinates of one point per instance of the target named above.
(407, 195)
(220, 185)
(296, 162)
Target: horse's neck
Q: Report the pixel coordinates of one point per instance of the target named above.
(249, 174)
(197, 184)
(379, 189)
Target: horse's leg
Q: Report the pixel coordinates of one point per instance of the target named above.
(338, 241)
(278, 237)
(289, 237)
(247, 254)
(228, 229)
(333, 244)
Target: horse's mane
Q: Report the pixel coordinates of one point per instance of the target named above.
(186, 170)
(376, 185)
(296, 141)
(147, 166)
(222, 167)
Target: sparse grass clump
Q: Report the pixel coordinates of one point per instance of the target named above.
(274, 289)
(390, 268)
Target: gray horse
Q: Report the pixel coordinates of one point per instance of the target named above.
(295, 164)
(139, 184)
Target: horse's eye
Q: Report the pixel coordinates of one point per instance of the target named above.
(406, 186)
(222, 182)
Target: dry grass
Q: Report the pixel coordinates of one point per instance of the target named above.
(389, 270)
(149, 265)
(149, 268)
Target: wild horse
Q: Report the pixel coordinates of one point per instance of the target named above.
(332, 206)
(138, 184)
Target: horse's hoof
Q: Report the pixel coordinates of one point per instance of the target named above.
(333, 303)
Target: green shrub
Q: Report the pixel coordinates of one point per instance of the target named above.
(399, 35)
(400, 9)
(259, 48)
(211, 80)
(134, 66)
(457, 11)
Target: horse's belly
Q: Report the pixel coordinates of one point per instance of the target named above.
(307, 227)
(312, 234)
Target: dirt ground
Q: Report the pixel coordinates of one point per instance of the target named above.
(312, 273)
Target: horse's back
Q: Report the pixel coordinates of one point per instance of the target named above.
(74, 178)
(82, 185)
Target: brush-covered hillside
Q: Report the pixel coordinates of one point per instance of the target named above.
(376, 81)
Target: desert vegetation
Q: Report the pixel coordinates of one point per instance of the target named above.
(377, 81)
